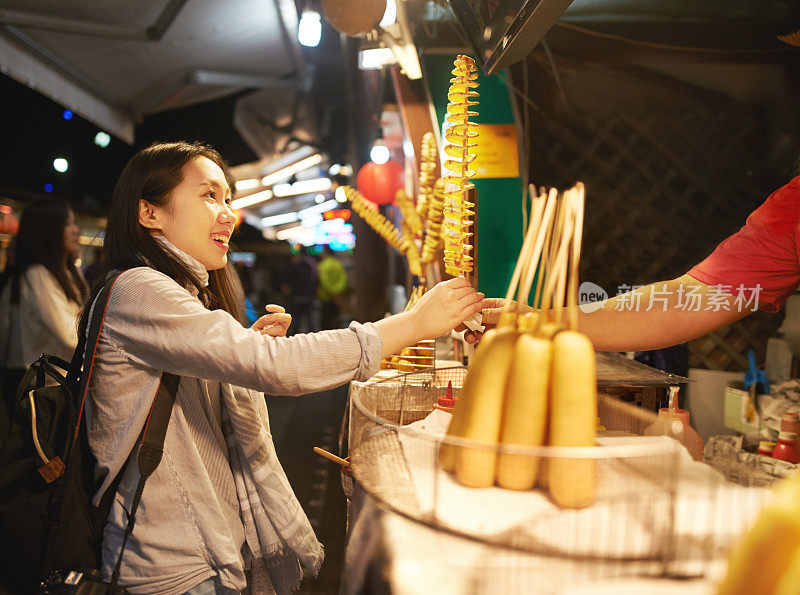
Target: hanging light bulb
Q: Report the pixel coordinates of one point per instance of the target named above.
(379, 153)
(60, 164)
(309, 30)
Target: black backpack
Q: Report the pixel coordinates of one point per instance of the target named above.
(48, 525)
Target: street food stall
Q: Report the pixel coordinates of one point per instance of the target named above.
(543, 466)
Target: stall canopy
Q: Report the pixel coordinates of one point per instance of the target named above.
(115, 61)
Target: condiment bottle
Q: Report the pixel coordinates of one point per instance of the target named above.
(674, 422)
(447, 400)
(793, 420)
(765, 448)
(786, 449)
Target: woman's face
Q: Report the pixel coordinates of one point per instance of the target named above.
(198, 218)
(71, 235)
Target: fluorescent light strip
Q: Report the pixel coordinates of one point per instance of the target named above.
(304, 187)
(318, 209)
(375, 58)
(253, 199)
(290, 170)
(285, 234)
(311, 221)
(91, 240)
(248, 184)
(279, 219)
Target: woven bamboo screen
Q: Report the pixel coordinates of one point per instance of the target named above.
(665, 184)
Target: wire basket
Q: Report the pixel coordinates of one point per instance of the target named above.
(395, 437)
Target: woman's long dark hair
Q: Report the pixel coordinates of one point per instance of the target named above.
(152, 174)
(40, 240)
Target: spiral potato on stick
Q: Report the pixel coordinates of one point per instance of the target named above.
(433, 226)
(382, 226)
(459, 148)
(427, 174)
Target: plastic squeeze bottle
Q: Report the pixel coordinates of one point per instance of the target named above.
(674, 422)
(786, 449)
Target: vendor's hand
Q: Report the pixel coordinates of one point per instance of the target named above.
(274, 324)
(491, 315)
(446, 306)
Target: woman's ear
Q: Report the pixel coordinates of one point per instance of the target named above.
(149, 216)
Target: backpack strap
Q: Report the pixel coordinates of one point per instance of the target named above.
(83, 358)
(150, 451)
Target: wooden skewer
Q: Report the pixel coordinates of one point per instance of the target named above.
(572, 300)
(543, 270)
(331, 457)
(536, 210)
(536, 252)
(563, 259)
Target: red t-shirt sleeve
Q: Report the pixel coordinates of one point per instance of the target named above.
(760, 261)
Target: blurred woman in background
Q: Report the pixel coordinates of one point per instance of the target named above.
(42, 292)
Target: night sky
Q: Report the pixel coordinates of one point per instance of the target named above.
(34, 133)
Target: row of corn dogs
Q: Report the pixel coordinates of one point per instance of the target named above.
(532, 381)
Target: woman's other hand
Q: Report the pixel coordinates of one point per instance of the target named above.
(446, 306)
(274, 324)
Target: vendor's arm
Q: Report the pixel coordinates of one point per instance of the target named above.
(755, 268)
(660, 315)
(654, 316)
(758, 267)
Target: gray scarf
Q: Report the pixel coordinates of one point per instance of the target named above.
(277, 531)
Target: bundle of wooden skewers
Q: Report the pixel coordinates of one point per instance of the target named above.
(532, 381)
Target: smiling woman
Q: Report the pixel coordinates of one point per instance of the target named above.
(219, 501)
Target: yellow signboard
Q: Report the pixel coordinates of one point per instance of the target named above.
(496, 153)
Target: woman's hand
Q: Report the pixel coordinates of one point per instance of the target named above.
(445, 306)
(274, 324)
(438, 311)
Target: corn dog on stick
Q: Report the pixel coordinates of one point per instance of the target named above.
(487, 380)
(457, 210)
(485, 351)
(480, 407)
(427, 174)
(574, 394)
(433, 226)
(447, 453)
(382, 226)
(525, 411)
(528, 384)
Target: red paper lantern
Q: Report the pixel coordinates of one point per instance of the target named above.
(380, 182)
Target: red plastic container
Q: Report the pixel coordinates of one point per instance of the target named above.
(786, 449)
